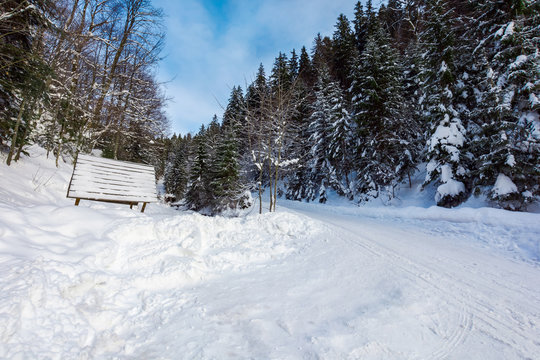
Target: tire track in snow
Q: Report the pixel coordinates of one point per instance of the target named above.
(493, 313)
(481, 309)
(458, 335)
(465, 318)
(475, 311)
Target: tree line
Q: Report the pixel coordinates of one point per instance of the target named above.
(451, 86)
(79, 75)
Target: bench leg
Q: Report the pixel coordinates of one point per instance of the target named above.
(131, 206)
(143, 207)
(77, 201)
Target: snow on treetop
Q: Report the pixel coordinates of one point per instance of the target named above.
(504, 185)
(532, 117)
(444, 67)
(533, 100)
(509, 31)
(449, 133)
(511, 160)
(520, 59)
(450, 186)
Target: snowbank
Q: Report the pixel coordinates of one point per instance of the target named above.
(76, 280)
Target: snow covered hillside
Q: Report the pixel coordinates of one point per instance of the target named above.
(101, 281)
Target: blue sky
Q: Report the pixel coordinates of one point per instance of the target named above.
(213, 45)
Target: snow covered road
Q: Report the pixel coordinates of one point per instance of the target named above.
(363, 288)
(370, 289)
(490, 302)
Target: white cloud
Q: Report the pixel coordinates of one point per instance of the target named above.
(189, 108)
(211, 49)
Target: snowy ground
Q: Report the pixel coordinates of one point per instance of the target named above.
(100, 281)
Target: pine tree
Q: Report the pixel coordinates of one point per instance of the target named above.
(293, 65)
(228, 192)
(343, 51)
(234, 114)
(342, 142)
(321, 55)
(360, 27)
(328, 110)
(199, 196)
(299, 172)
(176, 175)
(212, 136)
(387, 148)
(256, 102)
(281, 78)
(446, 162)
(255, 94)
(305, 69)
(505, 148)
(371, 18)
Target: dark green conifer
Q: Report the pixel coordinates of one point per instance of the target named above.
(344, 51)
(228, 192)
(176, 175)
(386, 134)
(199, 195)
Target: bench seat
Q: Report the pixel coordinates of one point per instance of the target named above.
(108, 180)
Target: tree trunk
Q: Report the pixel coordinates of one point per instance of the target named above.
(21, 145)
(60, 143)
(269, 156)
(260, 195)
(276, 170)
(260, 171)
(15, 133)
(116, 144)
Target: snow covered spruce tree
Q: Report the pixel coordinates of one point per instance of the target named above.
(328, 115)
(344, 51)
(176, 173)
(342, 142)
(234, 114)
(447, 163)
(226, 187)
(297, 179)
(215, 183)
(387, 148)
(226, 190)
(507, 143)
(199, 196)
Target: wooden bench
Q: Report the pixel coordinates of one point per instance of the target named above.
(113, 181)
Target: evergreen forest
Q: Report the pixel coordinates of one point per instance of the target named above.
(446, 87)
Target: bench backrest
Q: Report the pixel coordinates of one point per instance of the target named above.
(101, 179)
